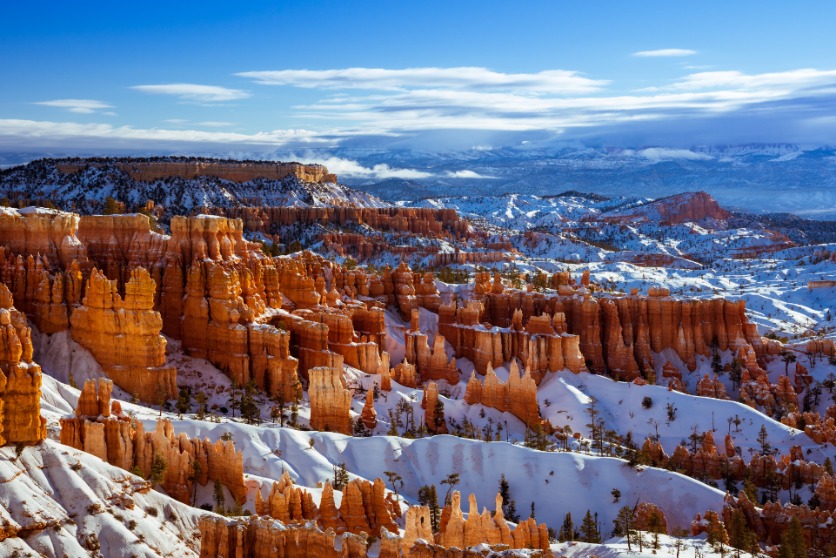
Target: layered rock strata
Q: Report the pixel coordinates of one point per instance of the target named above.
(20, 379)
(100, 428)
(124, 335)
(330, 400)
(518, 396)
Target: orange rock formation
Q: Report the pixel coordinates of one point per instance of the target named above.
(330, 400)
(518, 396)
(20, 379)
(124, 335)
(100, 428)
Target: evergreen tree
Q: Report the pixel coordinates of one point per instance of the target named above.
(763, 440)
(200, 397)
(197, 469)
(452, 480)
(219, 497)
(438, 420)
(233, 399)
(428, 496)
(567, 530)
(509, 506)
(736, 373)
(793, 544)
(247, 405)
(589, 529)
(623, 524)
(184, 401)
(740, 536)
(395, 480)
(158, 467)
(340, 476)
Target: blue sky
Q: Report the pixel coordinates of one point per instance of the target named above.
(454, 74)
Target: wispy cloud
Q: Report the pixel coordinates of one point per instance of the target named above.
(195, 92)
(26, 132)
(466, 174)
(666, 154)
(352, 169)
(547, 81)
(79, 106)
(791, 80)
(665, 52)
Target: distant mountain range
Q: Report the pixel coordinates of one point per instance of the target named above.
(762, 179)
(775, 178)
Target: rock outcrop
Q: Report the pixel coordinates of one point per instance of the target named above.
(518, 396)
(330, 400)
(124, 335)
(99, 427)
(20, 378)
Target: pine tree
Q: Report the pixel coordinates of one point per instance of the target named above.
(158, 467)
(589, 529)
(197, 469)
(184, 401)
(219, 497)
(623, 524)
(509, 506)
(200, 397)
(247, 405)
(567, 530)
(763, 440)
(340, 476)
(452, 480)
(428, 496)
(793, 544)
(740, 536)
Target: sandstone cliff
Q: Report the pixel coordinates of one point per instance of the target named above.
(20, 379)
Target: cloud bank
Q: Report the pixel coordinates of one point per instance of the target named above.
(665, 53)
(195, 92)
(78, 106)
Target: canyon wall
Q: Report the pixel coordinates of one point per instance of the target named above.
(20, 379)
(100, 428)
(234, 171)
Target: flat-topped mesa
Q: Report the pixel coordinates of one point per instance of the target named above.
(234, 171)
(518, 396)
(124, 335)
(20, 378)
(99, 427)
(330, 400)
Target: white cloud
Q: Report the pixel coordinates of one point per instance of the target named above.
(657, 154)
(195, 92)
(547, 81)
(665, 52)
(32, 131)
(782, 81)
(353, 169)
(79, 106)
(466, 174)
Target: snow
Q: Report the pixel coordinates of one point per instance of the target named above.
(69, 503)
